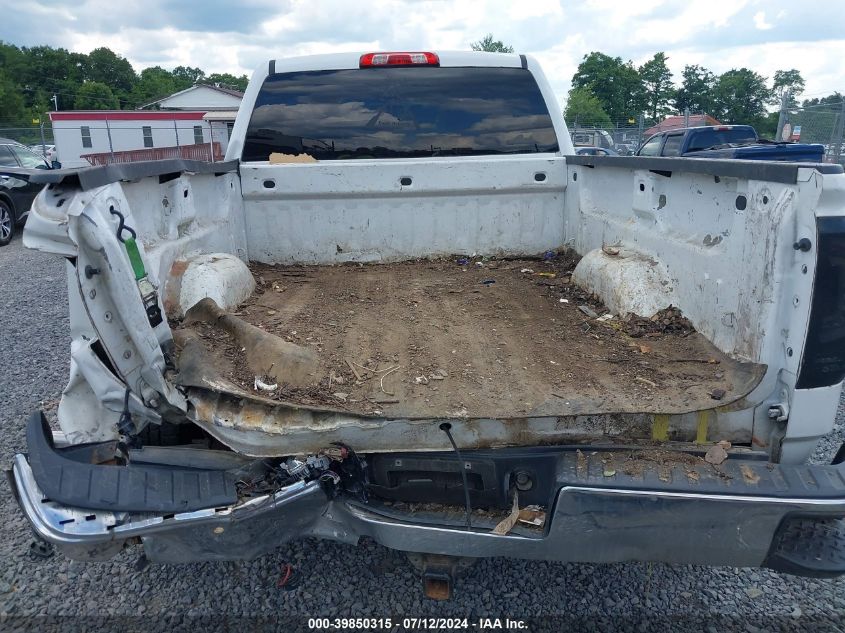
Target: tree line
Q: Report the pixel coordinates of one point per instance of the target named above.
(99, 80)
(608, 90)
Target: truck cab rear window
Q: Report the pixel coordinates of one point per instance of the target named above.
(400, 113)
(708, 139)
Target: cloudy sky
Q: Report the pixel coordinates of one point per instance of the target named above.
(227, 36)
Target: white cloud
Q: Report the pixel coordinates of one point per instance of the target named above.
(822, 71)
(760, 21)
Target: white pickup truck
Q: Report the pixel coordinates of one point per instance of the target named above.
(403, 309)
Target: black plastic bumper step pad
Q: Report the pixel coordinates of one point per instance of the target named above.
(809, 547)
(132, 488)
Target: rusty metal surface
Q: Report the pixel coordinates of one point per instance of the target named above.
(265, 355)
(262, 427)
(256, 425)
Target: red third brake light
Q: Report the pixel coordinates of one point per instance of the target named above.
(376, 60)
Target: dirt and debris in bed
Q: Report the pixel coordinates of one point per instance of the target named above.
(635, 463)
(530, 519)
(473, 337)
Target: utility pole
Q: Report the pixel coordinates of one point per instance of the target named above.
(43, 142)
(108, 132)
(783, 116)
(840, 128)
(686, 116)
(55, 101)
(640, 126)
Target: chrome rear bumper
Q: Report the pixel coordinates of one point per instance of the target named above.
(585, 524)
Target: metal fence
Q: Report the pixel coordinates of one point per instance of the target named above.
(623, 136)
(627, 135)
(822, 123)
(29, 136)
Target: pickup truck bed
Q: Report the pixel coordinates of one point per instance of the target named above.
(199, 295)
(448, 338)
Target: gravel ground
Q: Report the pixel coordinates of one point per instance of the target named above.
(368, 580)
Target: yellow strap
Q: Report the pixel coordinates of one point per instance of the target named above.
(660, 428)
(703, 421)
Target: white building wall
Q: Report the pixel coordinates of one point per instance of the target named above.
(200, 98)
(126, 135)
(219, 133)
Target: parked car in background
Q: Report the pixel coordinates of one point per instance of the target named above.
(48, 151)
(16, 194)
(595, 151)
(626, 149)
(728, 141)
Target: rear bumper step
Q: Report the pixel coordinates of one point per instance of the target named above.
(808, 546)
(133, 487)
(748, 513)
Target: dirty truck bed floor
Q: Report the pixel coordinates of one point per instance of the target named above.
(439, 338)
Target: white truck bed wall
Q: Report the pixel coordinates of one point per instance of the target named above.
(727, 267)
(187, 216)
(176, 216)
(723, 234)
(726, 242)
(393, 210)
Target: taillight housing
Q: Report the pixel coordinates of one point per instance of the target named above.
(378, 60)
(823, 361)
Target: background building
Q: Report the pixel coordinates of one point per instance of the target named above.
(195, 123)
(199, 97)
